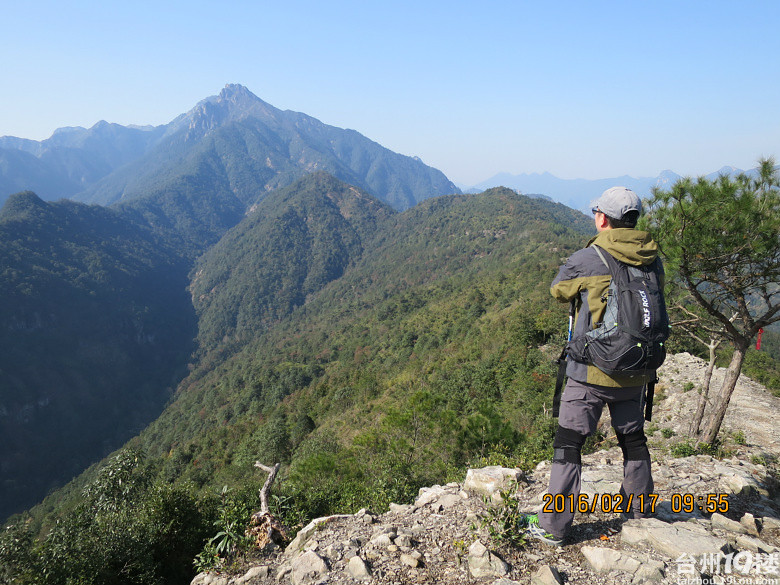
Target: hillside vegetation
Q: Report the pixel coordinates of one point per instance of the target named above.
(96, 327)
(370, 352)
(406, 348)
(444, 314)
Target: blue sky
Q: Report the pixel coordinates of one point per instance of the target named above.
(578, 89)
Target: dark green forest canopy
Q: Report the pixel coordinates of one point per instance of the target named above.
(289, 247)
(95, 325)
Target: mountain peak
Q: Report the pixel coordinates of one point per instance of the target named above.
(238, 101)
(234, 91)
(234, 102)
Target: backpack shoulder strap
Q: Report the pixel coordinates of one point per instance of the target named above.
(601, 255)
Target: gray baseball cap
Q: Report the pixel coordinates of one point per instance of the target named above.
(616, 202)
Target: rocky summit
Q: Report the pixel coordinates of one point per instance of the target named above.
(450, 533)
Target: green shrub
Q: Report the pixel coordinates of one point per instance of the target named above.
(683, 449)
(503, 521)
(230, 541)
(125, 531)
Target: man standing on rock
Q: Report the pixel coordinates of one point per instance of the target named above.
(585, 278)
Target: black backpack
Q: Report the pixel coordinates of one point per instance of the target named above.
(630, 339)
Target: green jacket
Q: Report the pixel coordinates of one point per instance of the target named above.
(585, 276)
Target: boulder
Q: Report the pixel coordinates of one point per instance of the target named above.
(489, 480)
(672, 540)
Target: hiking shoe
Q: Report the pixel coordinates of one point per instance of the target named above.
(533, 530)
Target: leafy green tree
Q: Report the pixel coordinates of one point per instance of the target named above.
(721, 240)
(125, 531)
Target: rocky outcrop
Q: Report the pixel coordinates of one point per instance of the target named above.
(442, 537)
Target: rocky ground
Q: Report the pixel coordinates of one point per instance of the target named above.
(445, 536)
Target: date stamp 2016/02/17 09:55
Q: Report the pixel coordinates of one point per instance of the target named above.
(679, 502)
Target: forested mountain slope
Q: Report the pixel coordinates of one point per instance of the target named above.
(96, 327)
(423, 345)
(293, 243)
(433, 334)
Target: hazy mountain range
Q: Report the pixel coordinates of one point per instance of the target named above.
(265, 148)
(578, 193)
(234, 141)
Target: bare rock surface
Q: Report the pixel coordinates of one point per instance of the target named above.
(441, 537)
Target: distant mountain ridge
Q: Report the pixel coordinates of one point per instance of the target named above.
(71, 160)
(578, 193)
(233, 139)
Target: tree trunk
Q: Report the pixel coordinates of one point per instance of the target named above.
(264, 527)
(721, 402)
(271, 471)
(705, 391)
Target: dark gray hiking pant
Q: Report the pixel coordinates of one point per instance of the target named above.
(581, 407)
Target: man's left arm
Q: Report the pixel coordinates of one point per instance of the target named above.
(568, 283)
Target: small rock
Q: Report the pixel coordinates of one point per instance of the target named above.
(358, 569)
(750, 524)
(261, 572)
(604, 560)
(751, 543)
(209, 579)
(429, 495)
(737, 484)
(449, 500)
(382, 540)
(404, 540)
(483, 563)
(720, 521)
(308, 568)
(282, 572)
(547, 575)
(410, 560)
(770, 524)
(401, 508)
(650, 571)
